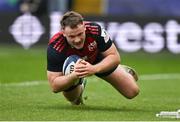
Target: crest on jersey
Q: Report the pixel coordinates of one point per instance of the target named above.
(92, 46)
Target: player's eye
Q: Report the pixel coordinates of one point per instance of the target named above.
(80, 34)
(71, 36)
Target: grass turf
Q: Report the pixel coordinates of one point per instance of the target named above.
(37, 102)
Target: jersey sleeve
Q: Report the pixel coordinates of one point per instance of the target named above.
(104, 41)
(54, 60)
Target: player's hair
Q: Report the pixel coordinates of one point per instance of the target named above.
(71, 19)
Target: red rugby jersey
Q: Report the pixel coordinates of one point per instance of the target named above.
(97, 41)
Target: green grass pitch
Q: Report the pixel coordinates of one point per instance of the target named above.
(25, 93)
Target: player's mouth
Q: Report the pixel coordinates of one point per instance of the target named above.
(79, 45)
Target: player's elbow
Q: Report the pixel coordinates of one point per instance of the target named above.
(55, 88)
(117, 60)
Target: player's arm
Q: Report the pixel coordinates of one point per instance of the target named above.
(110, 61)
(57, 80)
(60, 82)
(111, 58)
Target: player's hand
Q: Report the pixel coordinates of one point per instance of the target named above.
(84, 69)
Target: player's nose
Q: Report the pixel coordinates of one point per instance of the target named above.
(76, 40)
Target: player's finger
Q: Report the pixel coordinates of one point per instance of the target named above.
(83, 62)
(78, 61)
(80, 66)
(81, 69)
(83, 76)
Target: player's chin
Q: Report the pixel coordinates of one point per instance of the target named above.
(79, 46)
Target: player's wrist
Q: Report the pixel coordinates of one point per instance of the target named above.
(96, 69)
(73, 76)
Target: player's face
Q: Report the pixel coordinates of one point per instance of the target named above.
(75, 36)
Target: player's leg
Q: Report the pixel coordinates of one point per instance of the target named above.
(74, 93)
(123, 81)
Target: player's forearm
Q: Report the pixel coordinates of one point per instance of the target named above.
(62, 83)
(109, 62)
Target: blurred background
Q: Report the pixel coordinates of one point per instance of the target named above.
(146, 32)
(153, 8)
(134, 25)
(139, 28)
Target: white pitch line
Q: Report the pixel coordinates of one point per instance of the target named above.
(150, 77)
(26, 83)
(162, 76)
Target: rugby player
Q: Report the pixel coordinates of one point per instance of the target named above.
(99, 57)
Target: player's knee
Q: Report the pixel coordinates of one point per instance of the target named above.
(133, 93)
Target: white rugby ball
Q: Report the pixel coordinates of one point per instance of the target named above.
(68, 66)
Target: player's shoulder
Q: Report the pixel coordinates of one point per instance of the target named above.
(56, 37)
(57, 42)
(93, 28)
(96, 30)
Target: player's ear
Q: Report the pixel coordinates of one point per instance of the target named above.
(62, 30)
